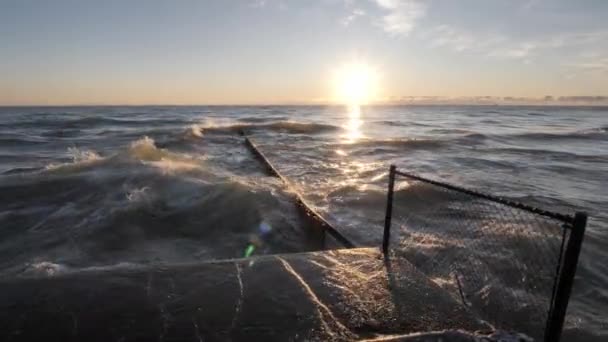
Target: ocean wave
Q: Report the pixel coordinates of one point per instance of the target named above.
(452, 131)
(195, 131)
(20, 140)
(52, 269)
(44, 268)
(97, 121)
(552, 154)
(93, 121)
(537, 114)
(591, 133)
(146, 151)
(80, 157)
(19, 170)
(603, 129)
(400, 123)
(491, 121)
(417, 143)
(258, 119)
(396, 143)
(143, 150)
(407, 194)
(142, 220)
(293, 127)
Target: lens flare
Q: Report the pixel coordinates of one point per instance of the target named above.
(249, 251)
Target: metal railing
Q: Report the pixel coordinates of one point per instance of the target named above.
(510, 263)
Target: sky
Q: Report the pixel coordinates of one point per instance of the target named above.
(287, 51)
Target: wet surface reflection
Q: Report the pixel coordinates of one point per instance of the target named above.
(343, 295)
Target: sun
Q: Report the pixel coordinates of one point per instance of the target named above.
(355, 84)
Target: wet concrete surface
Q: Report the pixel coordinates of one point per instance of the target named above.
(339, 295)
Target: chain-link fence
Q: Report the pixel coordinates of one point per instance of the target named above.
(511, 264)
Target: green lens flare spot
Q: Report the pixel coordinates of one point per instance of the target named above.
(249, 250)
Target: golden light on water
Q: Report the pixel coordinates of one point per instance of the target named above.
(353, 124)
(354, 85)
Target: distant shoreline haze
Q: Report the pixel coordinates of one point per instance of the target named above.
(592, 101)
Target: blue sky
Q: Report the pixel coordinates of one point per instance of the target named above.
(282, 51)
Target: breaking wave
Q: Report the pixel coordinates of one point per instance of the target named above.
(143, 150)
(80, 157)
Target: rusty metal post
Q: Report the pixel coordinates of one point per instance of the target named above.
(389, 210)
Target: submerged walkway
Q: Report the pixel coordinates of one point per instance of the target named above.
(339, 295)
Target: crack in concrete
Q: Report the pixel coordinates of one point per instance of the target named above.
(165, 316)
(239, 303)
(149, 285)
(322, 309)
(196, 330)
(74, 324)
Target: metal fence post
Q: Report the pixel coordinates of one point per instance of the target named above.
(389, 210)
(566, 278)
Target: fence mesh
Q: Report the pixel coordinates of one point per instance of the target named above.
(500, 261)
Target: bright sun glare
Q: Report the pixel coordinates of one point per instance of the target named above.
(355, 84)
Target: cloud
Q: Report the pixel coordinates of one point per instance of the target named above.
(499, 45)
(268, 3)
(401, 15)
(462, 40)
(354, 14)
(486, 43)
(258, 3)
(530, 4)
(515, 50)
(589, 64)
(522, 50)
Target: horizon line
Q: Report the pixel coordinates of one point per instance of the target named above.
(426, 100)
(316, 105)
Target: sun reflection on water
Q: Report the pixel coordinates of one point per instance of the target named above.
(353, 124)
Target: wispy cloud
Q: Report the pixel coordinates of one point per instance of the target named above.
(515, 50)
(499, 45)
(462, 40)
(486, 43)
(352, 16)
(401, 15)
(530, 4)
(531, 48)
(280, 4)
(594, 64)
(258, 3)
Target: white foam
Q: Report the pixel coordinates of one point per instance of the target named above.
(137, 195)
(82, 155)
(145, 149)
(46, 268)
(169, 165)
(196, 130)
(79, 157)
